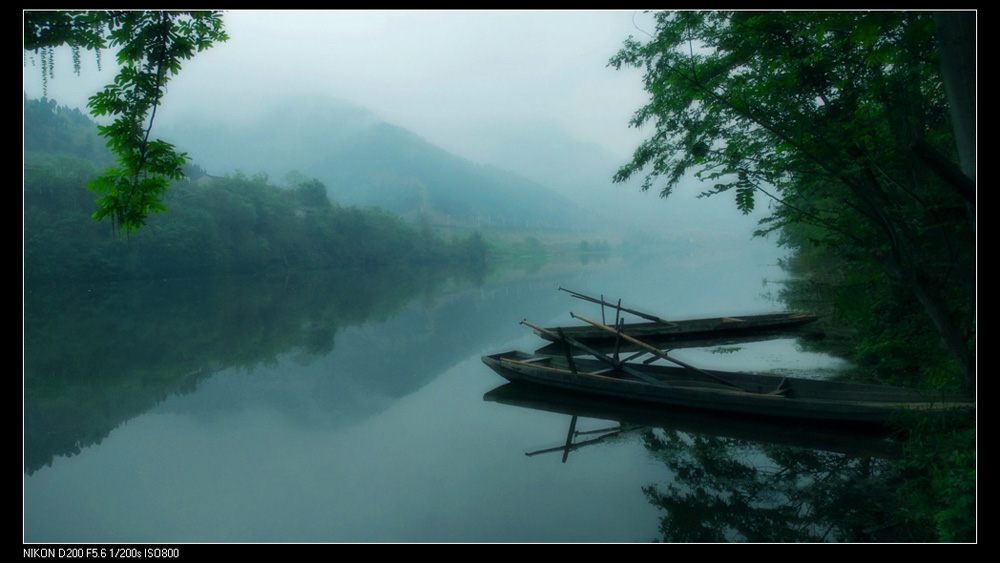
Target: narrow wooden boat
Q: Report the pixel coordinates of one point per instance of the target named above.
(655, 329)
(736, 393)
(691, 329)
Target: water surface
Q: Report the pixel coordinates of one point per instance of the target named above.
(341, 407)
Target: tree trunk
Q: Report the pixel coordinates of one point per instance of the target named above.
(952, 336)
(956, 33)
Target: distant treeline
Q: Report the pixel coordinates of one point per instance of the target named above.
(214, 226)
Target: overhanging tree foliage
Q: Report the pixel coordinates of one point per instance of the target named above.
(151, 47)
(841, 120)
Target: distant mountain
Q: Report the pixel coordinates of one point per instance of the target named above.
(584, 171)
(366, 162)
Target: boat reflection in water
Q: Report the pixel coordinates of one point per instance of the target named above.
(734, 479)
(631, 416)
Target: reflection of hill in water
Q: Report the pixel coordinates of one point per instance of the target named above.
(97, 356)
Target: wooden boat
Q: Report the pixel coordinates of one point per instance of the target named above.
(554, 345)
(661, 330)
(691, 329)
(766, 396)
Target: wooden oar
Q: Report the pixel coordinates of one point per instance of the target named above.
(602, 302)
(657, 352)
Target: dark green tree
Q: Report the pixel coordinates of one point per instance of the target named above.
(842, 120)
(151, 47)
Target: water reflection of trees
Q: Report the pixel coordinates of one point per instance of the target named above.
(726, 490)
(98, 355)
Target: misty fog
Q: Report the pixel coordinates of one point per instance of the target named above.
(528, 92)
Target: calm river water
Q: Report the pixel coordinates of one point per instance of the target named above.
(347, 408)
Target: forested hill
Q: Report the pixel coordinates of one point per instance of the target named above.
(221, 225)
(50, 128)
(365, 161)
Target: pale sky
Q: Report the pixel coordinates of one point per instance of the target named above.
(446, 75)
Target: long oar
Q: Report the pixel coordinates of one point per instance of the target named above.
(656, 351)
(602, 302)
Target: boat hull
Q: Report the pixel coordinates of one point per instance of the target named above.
(730, 392)
(687, 329)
